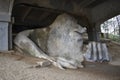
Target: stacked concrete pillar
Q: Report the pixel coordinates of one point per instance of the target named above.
(5, 20)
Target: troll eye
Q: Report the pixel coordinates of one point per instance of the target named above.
(78, 32)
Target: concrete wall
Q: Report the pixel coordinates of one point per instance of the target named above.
(3, 36)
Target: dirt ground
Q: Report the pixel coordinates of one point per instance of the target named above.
(19, 67)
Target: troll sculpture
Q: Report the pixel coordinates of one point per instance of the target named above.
(60, 43)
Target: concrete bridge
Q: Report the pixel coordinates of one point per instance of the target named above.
(18, 15)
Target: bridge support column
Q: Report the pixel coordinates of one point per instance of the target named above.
(5, 28)
(93, 33)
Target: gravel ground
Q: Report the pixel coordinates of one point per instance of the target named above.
(14, 66)
(17, 67)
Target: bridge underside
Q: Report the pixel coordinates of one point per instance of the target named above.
(41, 13)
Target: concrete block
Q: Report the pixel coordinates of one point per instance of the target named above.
(3, 36)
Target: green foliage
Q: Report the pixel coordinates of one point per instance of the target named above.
(112, 28)
(114, 37)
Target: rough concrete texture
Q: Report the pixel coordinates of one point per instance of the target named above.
(65, 38)
(63, 42)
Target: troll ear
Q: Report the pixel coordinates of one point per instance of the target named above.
(83, 30)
